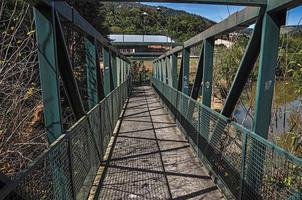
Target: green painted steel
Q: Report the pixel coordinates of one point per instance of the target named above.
(164, 66)
(127, 44)
(101, 93)
(49, 75)
(169, 70)
(66, 72)
(72, 16)
(78, 152)
(91, 72)
(186, 70)
(107, 70)
(180, 76)
(174, 70)
(267, 70)
(123, 70)
(198, 76)
(207, 81)
(114, 70)
(264, 97)
(236, 21)
(157, 70)
(118, 71)
(160, 70)
(245, 68)
(228, 160)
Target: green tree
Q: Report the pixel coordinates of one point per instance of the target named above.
(93, 11)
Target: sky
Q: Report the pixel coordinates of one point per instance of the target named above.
(217, 13)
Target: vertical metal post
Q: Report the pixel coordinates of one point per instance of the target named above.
(100, 87)
(174, 70)
(158, 70)
(91, 67)
(153, 69)
(166, 70)
(198, 76)
(45, 21)
(49, 75)
(267, 71)
(186, 70)
(107, 74)
(208, 71)
(169, 72)
(118, 71)
(114, 69)
(161, 70)
(264, 97)
(208, 52)
(122, 71)
(243, 159)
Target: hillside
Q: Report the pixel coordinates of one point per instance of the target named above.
(128, 18)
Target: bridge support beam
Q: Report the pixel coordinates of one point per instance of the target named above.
(198, 76)
(54, 60)
(245, 68)
(160, 70)
(118, 71)
(49, 75)
(114, 69)
(267, 71)
(208, 54)
(186, 70)
(66, 72)
(122, 70)
(99, 76)
(264, 98)
(91, 67)
(174, 70)
(107, 71)
(164, 69)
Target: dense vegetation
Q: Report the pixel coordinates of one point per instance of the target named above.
(93, 11)
(288, 86)
(128, 18)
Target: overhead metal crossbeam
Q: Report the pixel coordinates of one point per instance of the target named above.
(146, 43)
(236, 21)
(71, 15)
(222, 2)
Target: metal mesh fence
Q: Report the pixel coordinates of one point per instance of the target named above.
(67, 170)
(246, 165)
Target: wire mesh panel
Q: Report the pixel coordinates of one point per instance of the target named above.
(270, 172)
(247, 165)
(48, 178)
(67, 170)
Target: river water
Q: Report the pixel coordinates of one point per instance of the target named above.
(280, 114)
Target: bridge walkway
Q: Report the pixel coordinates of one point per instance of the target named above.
(150, 159)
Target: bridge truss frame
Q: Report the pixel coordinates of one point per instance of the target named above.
(268, 17)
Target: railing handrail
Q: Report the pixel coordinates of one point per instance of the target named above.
(246, 155)
(239, 126)
(10, 187)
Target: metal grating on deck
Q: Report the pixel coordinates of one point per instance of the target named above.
(151, 159)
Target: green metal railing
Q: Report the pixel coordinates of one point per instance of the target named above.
(68, 168)
(246, 165)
